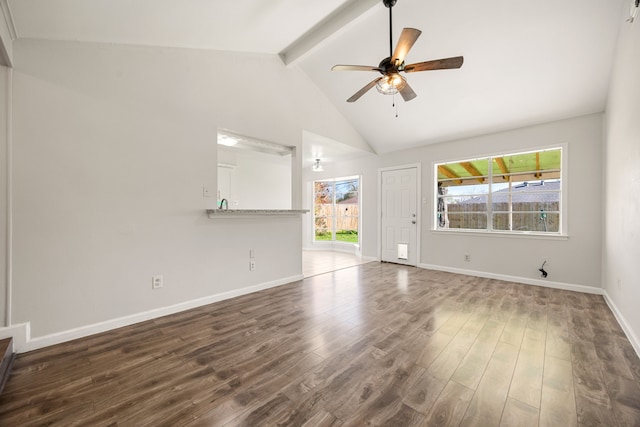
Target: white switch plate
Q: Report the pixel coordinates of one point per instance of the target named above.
(205, 191)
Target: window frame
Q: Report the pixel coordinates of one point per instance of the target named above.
(489, 230)
(334, 220)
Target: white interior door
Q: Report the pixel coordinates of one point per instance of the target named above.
(399, 216)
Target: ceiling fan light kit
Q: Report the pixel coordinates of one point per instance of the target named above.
(391, 84)
(391, 81)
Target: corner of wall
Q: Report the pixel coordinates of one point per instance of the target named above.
(7, 34)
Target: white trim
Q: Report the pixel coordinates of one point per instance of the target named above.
(347, 248)
(9, 189)
(8, 18)
(20, 334)
(501, 234)
(30, 344)
(418, 168)
(7, 37)
(516, 279)
(628, 331)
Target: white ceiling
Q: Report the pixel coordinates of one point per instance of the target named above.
(525, 62)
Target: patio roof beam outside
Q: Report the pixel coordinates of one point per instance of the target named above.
(503, 168)
(449, 174)
(472, 171)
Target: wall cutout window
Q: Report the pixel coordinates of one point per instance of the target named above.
(336, 209)
(515, 193)
(253, 173)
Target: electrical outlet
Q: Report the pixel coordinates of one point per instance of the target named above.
(157, 281)
(467, 258)
(619, 283)
(252, 265)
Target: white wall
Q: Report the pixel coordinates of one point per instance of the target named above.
(622, 201)
(6, 43)
(257, 180)
(574, 261)
(112, 146)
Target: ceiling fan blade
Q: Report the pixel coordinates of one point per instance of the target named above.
(354, 68)
(407, 93)
(364, 90)
(436, 64)
(407, 38)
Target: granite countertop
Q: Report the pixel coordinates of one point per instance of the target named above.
(253, 212)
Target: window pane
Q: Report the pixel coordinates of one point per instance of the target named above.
(539, 165)
(347, 219)
(463, 206)
(528, 221)
(467, 220)
(347, 189)
(336, 210)
(531, 198)
(463, 212)
(525, 191)
(323, 210)
(463, 173)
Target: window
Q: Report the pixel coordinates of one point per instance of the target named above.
(336, 209)
(518, 192)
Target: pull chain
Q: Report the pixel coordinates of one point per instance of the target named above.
(395, 105)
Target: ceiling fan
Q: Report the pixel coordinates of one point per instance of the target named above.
(391, 81)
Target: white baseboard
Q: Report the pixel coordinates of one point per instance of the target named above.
(23, 342)
(370, 258)
(20, 334)
(26, 343)
(347, 248)
(516, 279)
(631, 336)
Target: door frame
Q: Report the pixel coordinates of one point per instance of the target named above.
(419, 199)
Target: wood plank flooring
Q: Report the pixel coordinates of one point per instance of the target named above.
(375, 344)
(320, 262)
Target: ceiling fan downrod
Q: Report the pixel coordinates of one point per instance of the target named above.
(390, 4)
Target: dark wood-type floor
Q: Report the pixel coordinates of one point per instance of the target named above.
(377, 344)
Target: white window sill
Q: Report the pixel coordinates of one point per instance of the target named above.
(504, 234)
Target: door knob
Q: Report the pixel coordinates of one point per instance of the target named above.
(413, 222)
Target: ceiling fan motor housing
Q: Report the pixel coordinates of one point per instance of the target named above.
(389, 3)
(387, 67)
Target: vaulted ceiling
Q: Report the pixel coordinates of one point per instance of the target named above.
(524, 62)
